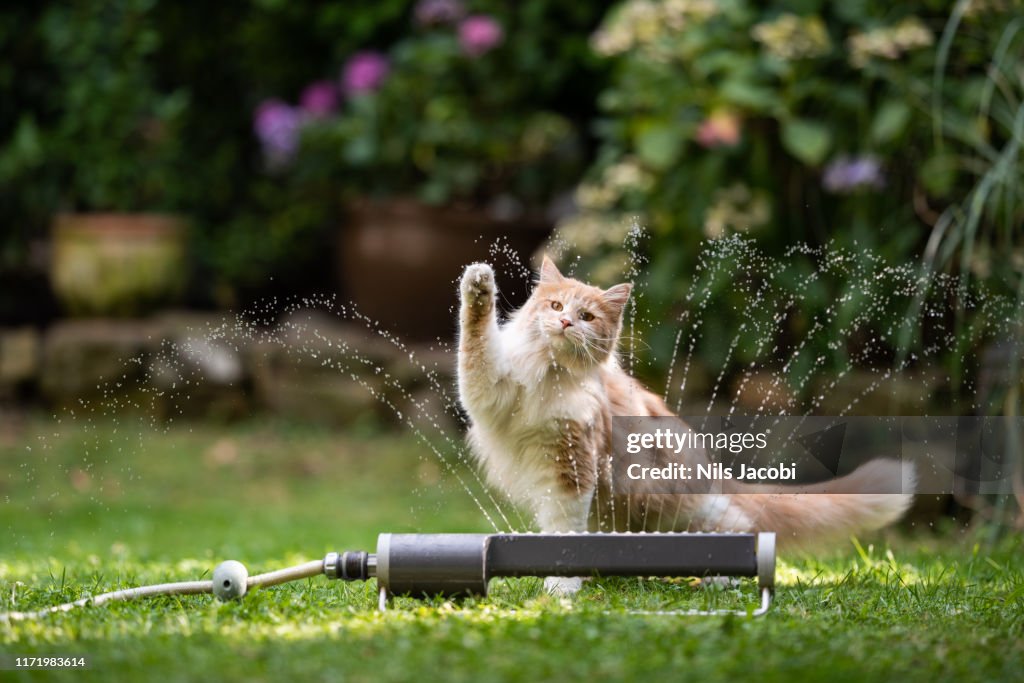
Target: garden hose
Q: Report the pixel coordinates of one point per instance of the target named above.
(230, 580)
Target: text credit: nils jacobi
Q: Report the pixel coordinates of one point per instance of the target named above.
(733, 442)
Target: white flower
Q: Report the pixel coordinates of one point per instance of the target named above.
(643, 24)
(736, 209)
(678, 13)
(616, 180)
(889, 42)
(628, 176)
(591, 197)
(589, 232)
(792, 37)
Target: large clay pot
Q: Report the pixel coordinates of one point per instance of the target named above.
(110, 264)
(401, 260)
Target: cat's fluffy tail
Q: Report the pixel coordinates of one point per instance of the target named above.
(843, 506)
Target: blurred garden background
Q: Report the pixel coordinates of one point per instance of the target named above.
(231, 234)
(820, 202)
(159, 156)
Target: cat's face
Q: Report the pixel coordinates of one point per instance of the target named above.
(579, 324)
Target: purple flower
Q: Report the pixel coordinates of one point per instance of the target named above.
(479, 34)
(319, 99)
(277, 126)
(364, 72)
(846, 175)
(432, 12)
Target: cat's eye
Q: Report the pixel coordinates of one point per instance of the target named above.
(555, 305)
(586, 316)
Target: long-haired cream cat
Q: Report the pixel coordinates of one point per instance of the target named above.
(541, 391)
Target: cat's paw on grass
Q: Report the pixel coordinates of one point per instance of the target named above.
(563, 586)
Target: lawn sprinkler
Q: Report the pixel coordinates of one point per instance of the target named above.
(454, 565)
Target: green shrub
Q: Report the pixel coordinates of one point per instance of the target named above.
(116, 141)
(133, 104)
(854, 126)
(468, 106)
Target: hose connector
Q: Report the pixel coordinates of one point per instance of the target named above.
(349, 565)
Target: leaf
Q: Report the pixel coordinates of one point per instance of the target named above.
(659, 144)
(25, 149)
(360, 150)
(938, 174)
(743, 93)
(890, 121)
(806, 140)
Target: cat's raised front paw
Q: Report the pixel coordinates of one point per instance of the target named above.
(478, 283)
(563, 586)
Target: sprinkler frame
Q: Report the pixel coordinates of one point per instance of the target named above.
(424, 565)
(463, 564)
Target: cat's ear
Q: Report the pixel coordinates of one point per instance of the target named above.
(549, 272)
(618, 295)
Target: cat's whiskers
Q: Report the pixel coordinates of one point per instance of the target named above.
(586, 346)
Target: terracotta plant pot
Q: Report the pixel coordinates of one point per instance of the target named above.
(400, 261)
(110, 264)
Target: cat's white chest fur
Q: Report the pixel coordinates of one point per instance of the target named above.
(522, 420)
(544, 392)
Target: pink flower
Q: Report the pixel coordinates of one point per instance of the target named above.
(721, 129)
(364, 72)
(479, 34)
(432, 12)
(319, 99)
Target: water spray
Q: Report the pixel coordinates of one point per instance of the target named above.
(457, 565)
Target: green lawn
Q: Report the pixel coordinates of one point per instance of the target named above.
(91, 507)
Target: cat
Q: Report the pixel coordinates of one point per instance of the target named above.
(541, 390)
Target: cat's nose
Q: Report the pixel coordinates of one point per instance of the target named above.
(565, 323)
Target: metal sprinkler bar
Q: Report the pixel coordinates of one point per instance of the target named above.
(464, 564)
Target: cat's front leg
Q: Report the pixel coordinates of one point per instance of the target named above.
(479, 355)
(563, 514)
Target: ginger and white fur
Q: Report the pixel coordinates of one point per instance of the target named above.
(540, 391)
